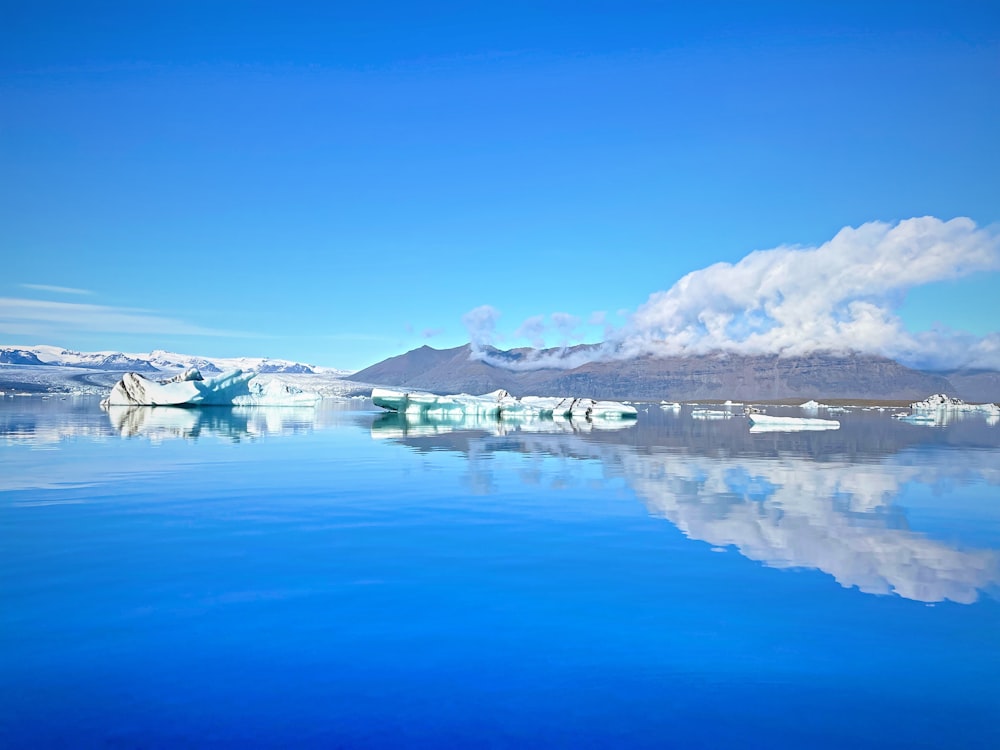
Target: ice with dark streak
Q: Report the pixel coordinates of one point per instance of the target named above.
(236, 388)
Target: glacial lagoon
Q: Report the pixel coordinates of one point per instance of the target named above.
(344, 577)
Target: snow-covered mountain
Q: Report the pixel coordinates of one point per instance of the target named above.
(51, 369)
(156, 361)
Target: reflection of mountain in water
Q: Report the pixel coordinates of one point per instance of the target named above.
(811, 501)
(236, 423)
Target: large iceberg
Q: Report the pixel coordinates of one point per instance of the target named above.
(236, 388)
(499, 405)
(941, 402)
(940, 409)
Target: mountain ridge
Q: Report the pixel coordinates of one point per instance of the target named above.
(157, 360)
(718, 375)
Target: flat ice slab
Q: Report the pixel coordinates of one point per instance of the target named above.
(236, 388)
(499, 404)
(769, 423)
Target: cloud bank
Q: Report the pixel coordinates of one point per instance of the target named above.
(841, 296)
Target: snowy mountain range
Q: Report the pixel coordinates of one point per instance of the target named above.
(156, 361)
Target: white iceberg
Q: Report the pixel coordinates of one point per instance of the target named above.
(236, 388)
(812, 405)
(499, 405)
(941, 409)
(769, 423)
(940, 402)
(710, 414)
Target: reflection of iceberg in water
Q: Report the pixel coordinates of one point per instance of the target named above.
(835, 517)
(237, 423)
(395, 425)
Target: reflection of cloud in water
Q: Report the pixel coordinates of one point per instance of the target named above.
(842, 517)
(237, 423)
(837, 517)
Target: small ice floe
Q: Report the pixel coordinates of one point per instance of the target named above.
(813, 405)
(760, 422)
(710, 414)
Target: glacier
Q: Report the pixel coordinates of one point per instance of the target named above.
(236, 388)
(499, 404)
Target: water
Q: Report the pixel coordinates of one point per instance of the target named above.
(344, 578)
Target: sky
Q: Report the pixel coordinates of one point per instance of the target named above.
(338, 183)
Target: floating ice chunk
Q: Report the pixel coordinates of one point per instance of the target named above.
(941, 402)
(670, 406)
(769, 423)
(499, 404)
(236, 388)
(812, 405)
(710, 414)
(941, 409)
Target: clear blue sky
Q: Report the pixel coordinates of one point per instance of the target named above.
(337, 183)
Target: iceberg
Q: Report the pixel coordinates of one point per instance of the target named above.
(940, 409)
(768, 423)
(498, 404)
(812, 405)
(236, 388)
(710, 414)
(941, 402)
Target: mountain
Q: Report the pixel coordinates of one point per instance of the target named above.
(156, 361)
(12, 356)
(710, 376)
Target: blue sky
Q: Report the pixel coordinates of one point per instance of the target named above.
(339, 183)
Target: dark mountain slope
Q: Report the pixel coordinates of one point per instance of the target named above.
(712, 376)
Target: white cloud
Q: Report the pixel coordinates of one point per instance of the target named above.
(26, 317)
(55, 289)
(840, 296)
(481, 323)
(533, 329)
(564, 323)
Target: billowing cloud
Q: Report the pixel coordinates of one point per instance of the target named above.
(564, 323)
(533, 329)
(840, 296)
(481, 323)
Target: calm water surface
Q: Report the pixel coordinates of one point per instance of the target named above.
(344, 578)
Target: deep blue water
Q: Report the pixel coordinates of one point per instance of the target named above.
(343, 578)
